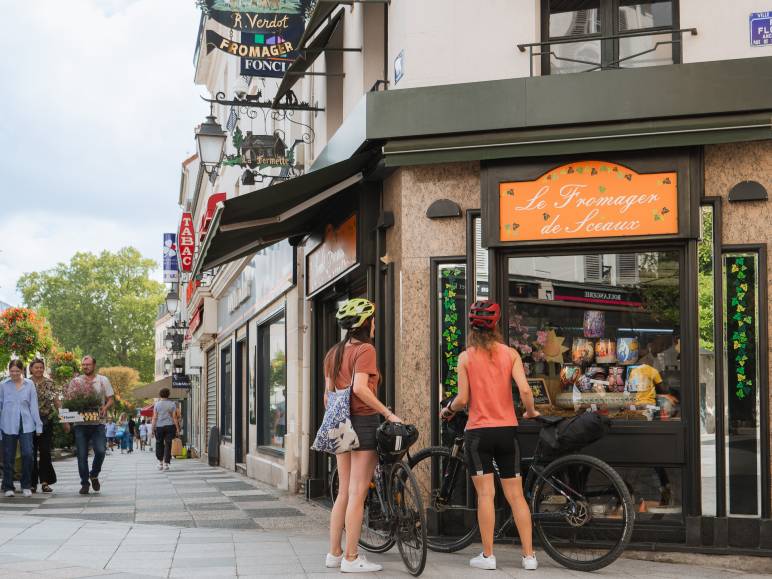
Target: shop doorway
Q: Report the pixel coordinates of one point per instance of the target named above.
(327, 334)
(241, 432)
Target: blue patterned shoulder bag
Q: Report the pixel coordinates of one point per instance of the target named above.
(336, 434)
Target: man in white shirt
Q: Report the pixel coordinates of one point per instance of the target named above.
(93, 432)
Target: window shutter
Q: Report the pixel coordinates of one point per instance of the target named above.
(593, 268)
(211, 391)
(627, 269)
(480, 253)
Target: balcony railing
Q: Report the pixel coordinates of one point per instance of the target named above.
(541, 46)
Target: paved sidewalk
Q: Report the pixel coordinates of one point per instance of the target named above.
(191, 494)
(37, 539)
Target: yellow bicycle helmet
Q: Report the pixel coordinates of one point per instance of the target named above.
(355, 312)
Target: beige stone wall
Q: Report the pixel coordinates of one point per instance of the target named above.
(410, 244)
(751, 222)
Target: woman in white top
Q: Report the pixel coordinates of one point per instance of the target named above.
(165, 428)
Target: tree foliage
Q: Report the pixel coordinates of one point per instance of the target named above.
(123, 379)
(24, 334)
(104, 304)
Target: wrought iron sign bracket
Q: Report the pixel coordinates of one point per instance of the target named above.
(329, 49)
(254, 101)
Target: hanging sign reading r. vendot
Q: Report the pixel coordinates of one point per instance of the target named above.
(270, 31)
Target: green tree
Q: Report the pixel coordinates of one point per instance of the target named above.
(104, 304)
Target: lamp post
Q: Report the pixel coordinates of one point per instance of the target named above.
(167, 367)
(210, 141)
(172, 302)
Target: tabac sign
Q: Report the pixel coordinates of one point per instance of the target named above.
(187, 242)
(588, 199)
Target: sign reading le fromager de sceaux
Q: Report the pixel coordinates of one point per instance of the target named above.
(589, 199)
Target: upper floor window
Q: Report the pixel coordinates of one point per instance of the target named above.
(600, 34)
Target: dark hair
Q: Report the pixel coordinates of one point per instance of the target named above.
(483, 338)
(164, 393)
(16, 364)
(37, 361)
(334, 358)
(90, 357)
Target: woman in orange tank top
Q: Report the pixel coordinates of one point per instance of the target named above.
(485, 373)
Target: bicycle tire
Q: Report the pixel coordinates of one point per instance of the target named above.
(440, 456)
(627, 515)
(367, 533)
(408, 509)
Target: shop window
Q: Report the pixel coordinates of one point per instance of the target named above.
(226, 390)
(449, 314)
(481, 288)
(272, 403)
(707, 319)
(595, 23)
(742, 381)
(609, 342)
(656, 492)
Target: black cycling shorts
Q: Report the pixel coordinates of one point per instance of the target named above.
(483, 446)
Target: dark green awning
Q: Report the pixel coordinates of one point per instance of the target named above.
(579, 139)
(248, 223)
(308, 54)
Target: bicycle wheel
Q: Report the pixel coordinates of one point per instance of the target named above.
(375, 535)
(334, 483)
(408, 510)
(451, 510)
(582, 512)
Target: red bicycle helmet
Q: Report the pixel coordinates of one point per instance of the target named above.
(484, 315)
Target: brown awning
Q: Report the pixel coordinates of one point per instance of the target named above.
(151, 390)
(308, 54)
(246, 224)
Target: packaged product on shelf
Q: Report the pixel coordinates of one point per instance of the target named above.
(616, 379)
(594, 324)
(605, 351)
(627, 350)
(582, 351)
(569, 374)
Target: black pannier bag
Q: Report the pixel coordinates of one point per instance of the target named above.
(569, 435)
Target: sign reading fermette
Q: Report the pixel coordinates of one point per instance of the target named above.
(588, 199)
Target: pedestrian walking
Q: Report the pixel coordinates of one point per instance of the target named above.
(485, 373)
(110, 433)
(353, 361)
(49, 402)
(142, 434)
(132, 426)
(19, 422)
(165, 428)
(122, 432)
(92, 434)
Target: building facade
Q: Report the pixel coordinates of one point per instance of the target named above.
(600, 169)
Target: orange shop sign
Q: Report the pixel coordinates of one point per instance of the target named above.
(589, 199)
(334, 256)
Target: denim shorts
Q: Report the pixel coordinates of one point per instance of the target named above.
(365, 427)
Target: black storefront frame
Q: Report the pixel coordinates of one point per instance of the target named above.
(370, 277)
(676, 437)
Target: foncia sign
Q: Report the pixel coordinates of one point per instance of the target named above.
(588, 199)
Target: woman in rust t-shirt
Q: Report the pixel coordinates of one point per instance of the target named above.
(350, 362)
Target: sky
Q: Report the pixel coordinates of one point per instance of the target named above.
(97, 109)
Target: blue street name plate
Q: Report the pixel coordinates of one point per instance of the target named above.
(761, 28)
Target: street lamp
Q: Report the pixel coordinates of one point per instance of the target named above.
(169, 341)
(210, 140)
(167, 366)
(172, 302)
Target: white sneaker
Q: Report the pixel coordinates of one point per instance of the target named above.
(166, 466)
(483, 562)
(26, 492)
(160, 466)
(530, 563)
(332, 561)
(359, 565)
(9, 494)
